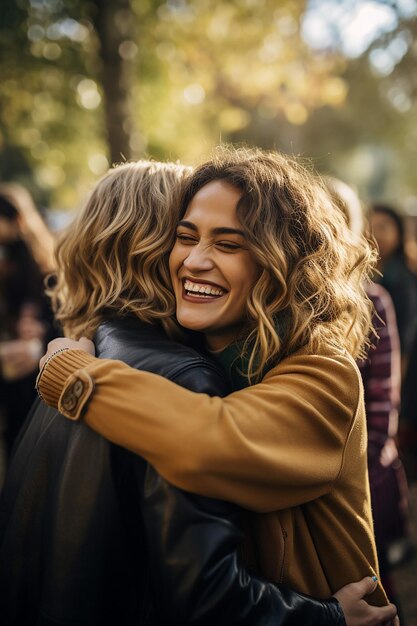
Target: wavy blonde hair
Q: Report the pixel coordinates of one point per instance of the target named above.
(310, 289)
(112, 259)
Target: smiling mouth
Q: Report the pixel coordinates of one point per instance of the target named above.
(203, 291)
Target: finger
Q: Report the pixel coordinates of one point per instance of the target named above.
(365, 586)
(389, 614)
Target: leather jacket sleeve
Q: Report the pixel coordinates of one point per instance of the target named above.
(193, 546)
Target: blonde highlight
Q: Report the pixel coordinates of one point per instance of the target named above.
(310, 292)
(112, 259)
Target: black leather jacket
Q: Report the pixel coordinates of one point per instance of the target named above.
(91, 535)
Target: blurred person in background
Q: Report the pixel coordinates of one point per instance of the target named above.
(381, 375)
(26, 257)
(387, 227)
(408, 422)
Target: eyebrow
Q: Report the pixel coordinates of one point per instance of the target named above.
(221, 230)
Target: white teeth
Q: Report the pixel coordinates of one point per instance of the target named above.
(202, 290)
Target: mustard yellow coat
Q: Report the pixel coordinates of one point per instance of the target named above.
(292, 448)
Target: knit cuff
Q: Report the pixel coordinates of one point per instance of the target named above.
(55, 375)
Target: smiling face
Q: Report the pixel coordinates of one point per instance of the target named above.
(212, 270)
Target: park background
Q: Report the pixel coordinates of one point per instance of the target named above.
(85, 84)
(88, 83)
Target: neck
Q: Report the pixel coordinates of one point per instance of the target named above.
(216, 351)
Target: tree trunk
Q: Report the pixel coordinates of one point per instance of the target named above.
(114, 24)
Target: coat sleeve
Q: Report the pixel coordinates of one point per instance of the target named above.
(240, 448)
(193, 544)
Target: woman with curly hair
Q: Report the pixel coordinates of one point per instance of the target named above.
(266, 269)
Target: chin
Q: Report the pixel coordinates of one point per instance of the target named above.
(190, 323)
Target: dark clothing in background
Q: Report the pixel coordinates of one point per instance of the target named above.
(381, 375)
(21, 289)
(91, 535)
(409, 391)
(401, 284)
(408, 422)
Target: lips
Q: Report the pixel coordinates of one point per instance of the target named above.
(201, 290)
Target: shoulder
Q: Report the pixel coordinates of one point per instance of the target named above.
(380, 298)
(122, 328)
(339, 363)
(147, 347)
(377, 293)
(398, 274)
(335, 378)
(202, 376)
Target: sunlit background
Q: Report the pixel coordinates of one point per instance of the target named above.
(88, 83)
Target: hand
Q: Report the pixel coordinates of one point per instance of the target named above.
(358, 612)
(62, 342)
(388, 453)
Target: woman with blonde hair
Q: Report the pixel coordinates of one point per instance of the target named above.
(266, 269)
(89, 533)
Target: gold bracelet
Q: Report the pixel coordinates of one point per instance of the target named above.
(48, 360)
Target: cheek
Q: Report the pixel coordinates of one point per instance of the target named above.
(393, 237)
(252, 272)
(387, 241)
(173, 264)
(245, 280)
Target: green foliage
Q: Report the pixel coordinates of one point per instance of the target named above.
(197, 72)
(48, 63)
(209, 70)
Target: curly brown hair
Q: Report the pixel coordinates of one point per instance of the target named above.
(310, 291)
(112, 259)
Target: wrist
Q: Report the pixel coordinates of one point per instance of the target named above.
(43, 369)
(336, 613)
(56, 371)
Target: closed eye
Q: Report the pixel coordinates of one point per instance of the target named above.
(186, 239)
(227, 245)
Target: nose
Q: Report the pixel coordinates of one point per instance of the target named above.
(199, 259)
